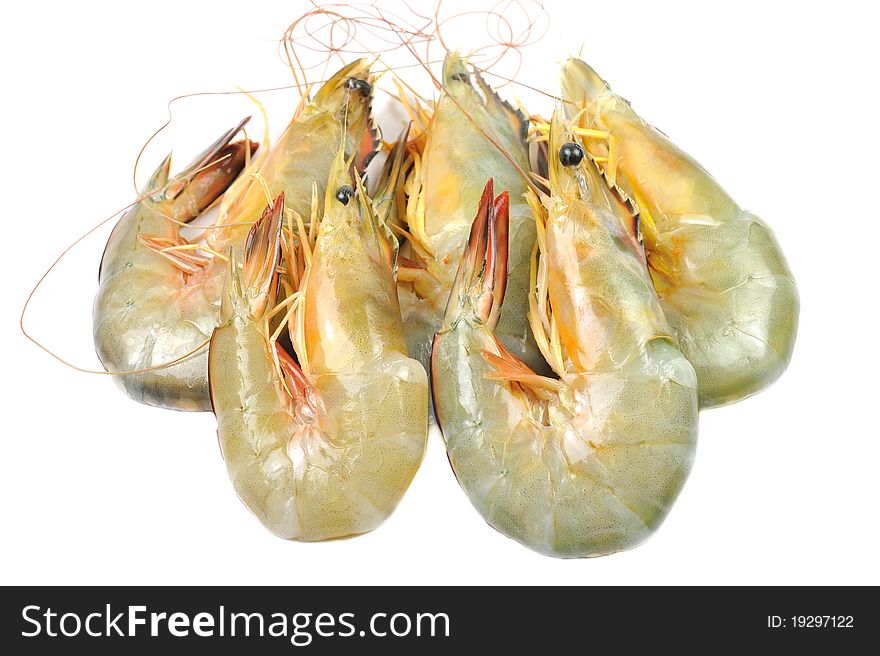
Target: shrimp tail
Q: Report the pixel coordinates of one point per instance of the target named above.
(210, 153)
(478, 290)
(388, 195)
(370, 145)
(542, 166)
(160, 176)
(262, 254)
(194, 189)
(384, 238)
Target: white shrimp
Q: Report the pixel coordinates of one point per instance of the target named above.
(589, 463)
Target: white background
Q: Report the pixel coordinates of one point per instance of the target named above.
(778, 100)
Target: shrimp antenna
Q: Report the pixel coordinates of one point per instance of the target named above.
(332, 30)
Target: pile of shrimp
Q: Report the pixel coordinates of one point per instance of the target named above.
(562, 287)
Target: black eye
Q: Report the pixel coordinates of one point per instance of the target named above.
(571, 154)
(344, 194)
(460, 77)
(353, 84)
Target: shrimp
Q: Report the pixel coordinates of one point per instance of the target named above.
(589, 463)
(470, 138)
(149, 308)
(723, 281)
(159, 296)
(323, 446)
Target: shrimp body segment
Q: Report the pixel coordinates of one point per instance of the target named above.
(459, 157)
(722, 279)
(589, 463)
(159, 296)
(323, 446)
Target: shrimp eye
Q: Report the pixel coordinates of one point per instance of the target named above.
(460, 77)
(571, 154)
(344, 194)
(353, 84)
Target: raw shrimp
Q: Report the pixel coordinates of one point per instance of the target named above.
(459, 157)
(149, 309)
(722, 278)
(325, 447)
(159, 296)
(589, 463)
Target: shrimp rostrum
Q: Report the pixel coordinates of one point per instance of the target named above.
(588, 463)
(323, 442)
(723, 281)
